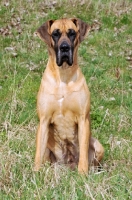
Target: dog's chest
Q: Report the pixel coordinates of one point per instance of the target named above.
(65, 111)
(64, 122)
(66, 105)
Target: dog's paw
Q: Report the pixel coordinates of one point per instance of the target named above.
(83, 169)
(36, 168)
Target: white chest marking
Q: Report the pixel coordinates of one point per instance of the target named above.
(60, 105)
(60, 100)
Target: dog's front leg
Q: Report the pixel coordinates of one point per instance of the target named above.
(41, 142)
(83, 137)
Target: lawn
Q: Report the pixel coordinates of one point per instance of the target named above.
(105, 58)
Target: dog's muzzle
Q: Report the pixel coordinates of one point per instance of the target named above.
(64, 54)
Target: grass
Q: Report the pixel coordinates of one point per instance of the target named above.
(105, 58)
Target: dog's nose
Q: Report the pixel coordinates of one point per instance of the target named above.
(64, 47)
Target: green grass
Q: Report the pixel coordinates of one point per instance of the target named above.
(103, 58)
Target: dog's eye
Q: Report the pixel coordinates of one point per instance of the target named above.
(56, 33)
(71, 34)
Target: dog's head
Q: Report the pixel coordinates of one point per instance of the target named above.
(63, 36)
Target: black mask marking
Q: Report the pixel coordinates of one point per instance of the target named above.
(64, 52)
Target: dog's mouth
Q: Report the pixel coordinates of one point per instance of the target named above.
(61, 58)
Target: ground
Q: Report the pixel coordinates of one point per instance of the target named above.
(105, 58)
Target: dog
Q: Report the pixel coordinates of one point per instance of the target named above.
(63, 101)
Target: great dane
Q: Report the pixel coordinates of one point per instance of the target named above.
(63, 101)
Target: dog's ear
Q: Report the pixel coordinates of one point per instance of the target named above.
(43, 32)
(83, 27)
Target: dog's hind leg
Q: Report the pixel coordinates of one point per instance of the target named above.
(96, 152)
(46, 156)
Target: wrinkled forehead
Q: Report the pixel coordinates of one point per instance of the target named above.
(63, 25)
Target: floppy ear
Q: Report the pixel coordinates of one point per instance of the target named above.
(83, 27)
(43, 32)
